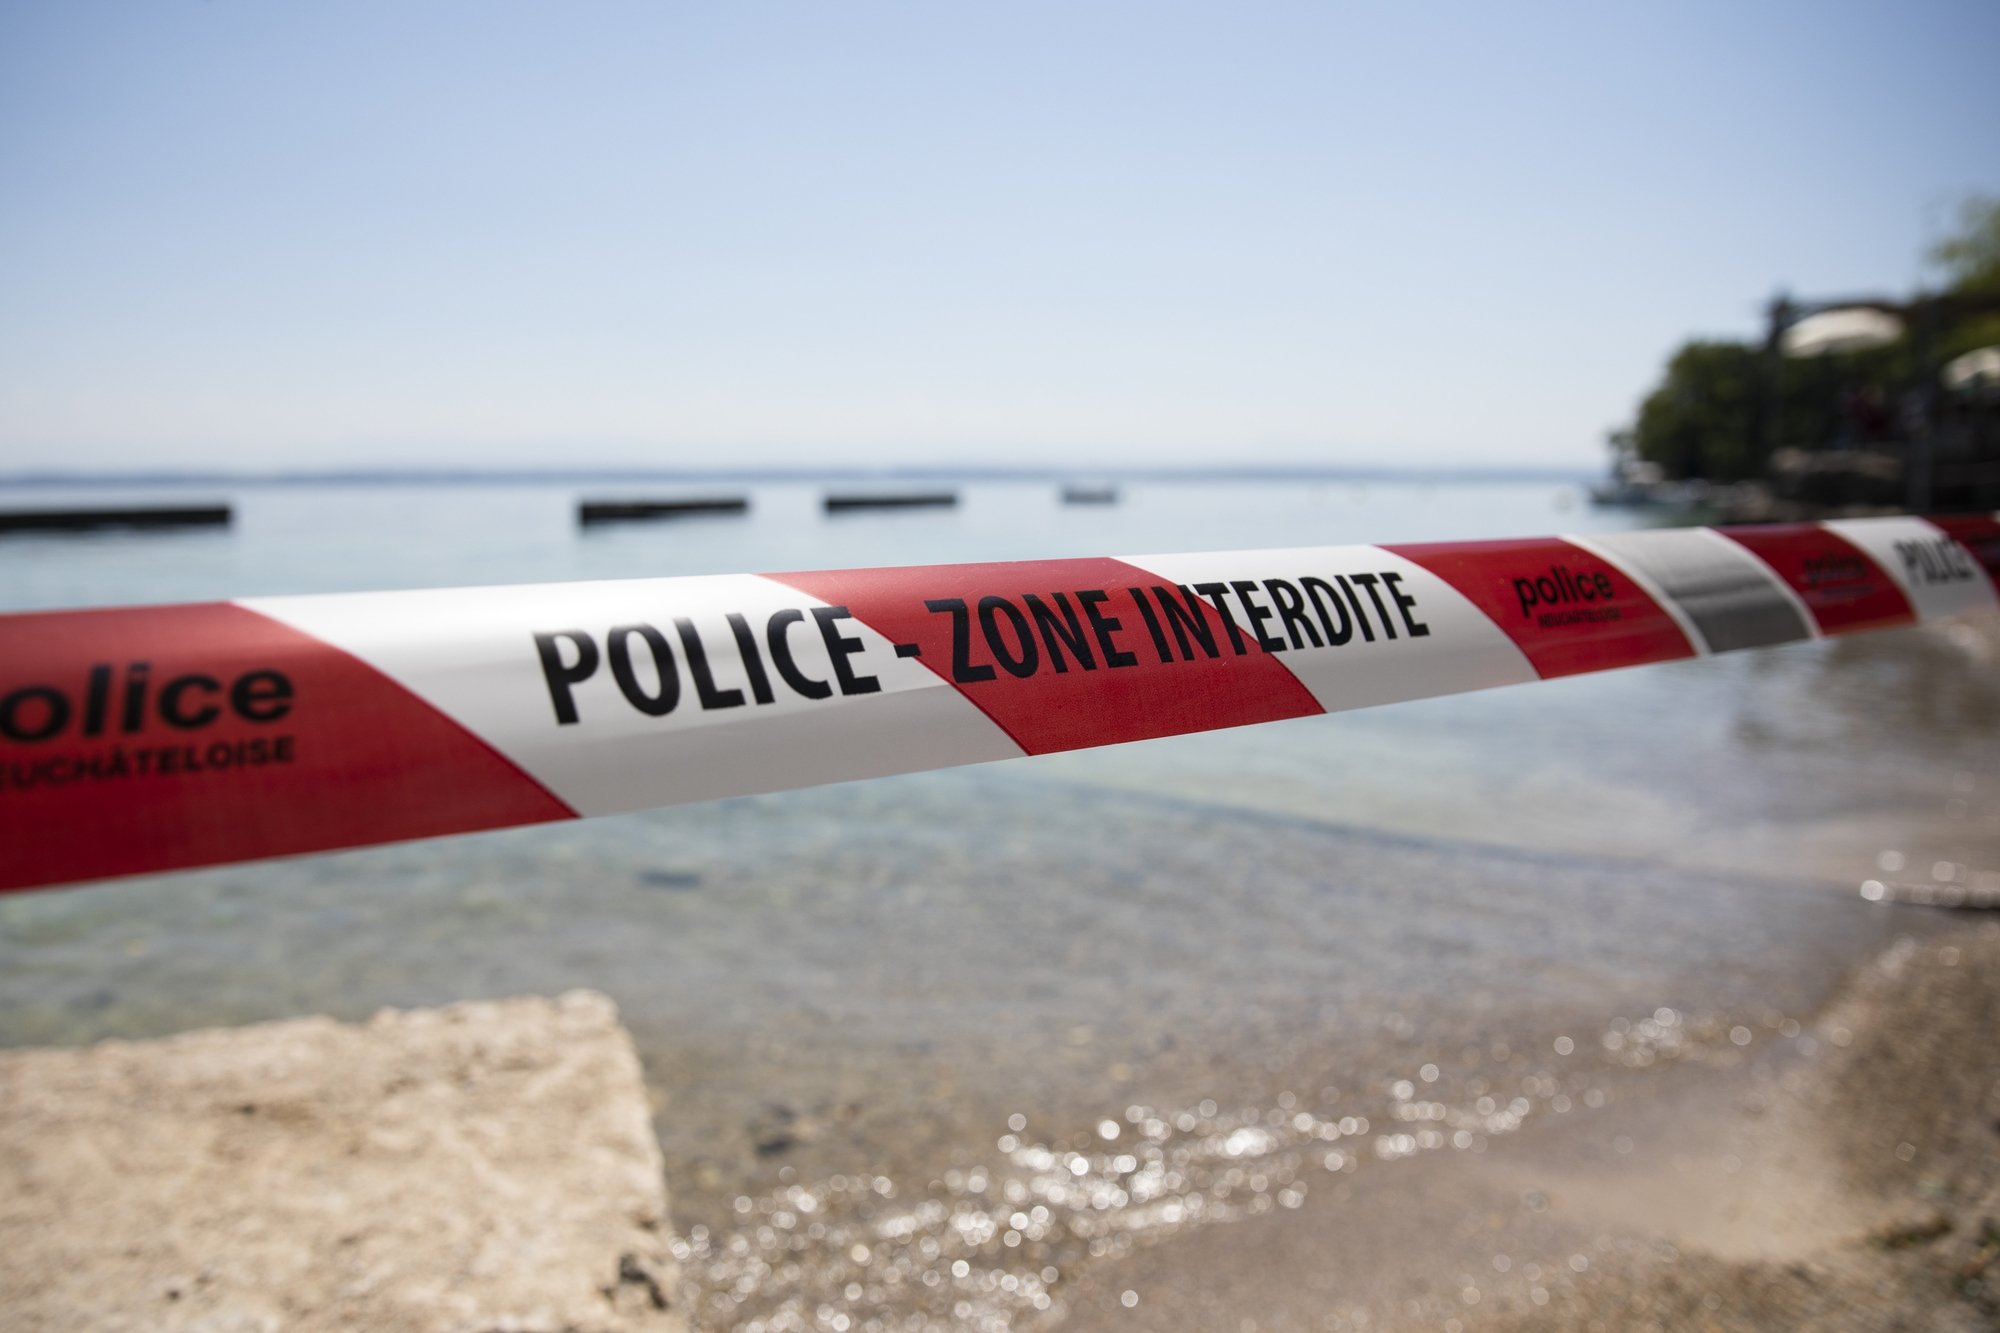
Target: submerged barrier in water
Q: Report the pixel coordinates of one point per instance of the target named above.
(90, 520)
(590, 513)
(154, 738)
(1090, 495)
(843, 504)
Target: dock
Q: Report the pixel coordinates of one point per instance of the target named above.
(92, 520)
(592, 512)
(836, 504)
(1090, 495)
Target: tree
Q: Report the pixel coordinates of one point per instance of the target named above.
(1703, 420)
(1700, 421)
(1971, 258)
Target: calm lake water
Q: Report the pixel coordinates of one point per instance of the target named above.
(863, 983)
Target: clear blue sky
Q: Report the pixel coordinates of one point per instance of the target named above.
(281, 235)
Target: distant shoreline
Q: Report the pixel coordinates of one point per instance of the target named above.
(548, 476)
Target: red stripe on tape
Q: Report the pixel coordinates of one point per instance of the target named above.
(1567, 610)
(1064, 654)
(162, 737)
(1840, 583)
(1978, 534)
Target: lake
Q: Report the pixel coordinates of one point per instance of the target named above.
(880, 995)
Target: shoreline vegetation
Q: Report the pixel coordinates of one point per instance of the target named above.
(493, 1161)
(1846, 407)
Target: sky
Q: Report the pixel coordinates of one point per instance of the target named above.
(309, 235)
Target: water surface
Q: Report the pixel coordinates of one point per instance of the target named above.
(863, 983)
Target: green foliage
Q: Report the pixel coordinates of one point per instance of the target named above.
(1701, 421)
(1975, 331)
(1705, 419)
(1971, 258)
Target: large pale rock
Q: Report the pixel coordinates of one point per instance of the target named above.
(481, 1167)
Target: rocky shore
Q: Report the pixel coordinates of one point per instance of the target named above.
(1851, 1185)
(491, 1166)
(1903, 1113)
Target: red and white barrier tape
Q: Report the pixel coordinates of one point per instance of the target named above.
(155, 738)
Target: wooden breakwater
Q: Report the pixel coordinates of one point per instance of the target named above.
(1090, 495)
(592, 512)
(91, 520)
(838, 504)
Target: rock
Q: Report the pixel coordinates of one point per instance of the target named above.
(1982, 1258)
(487, 1165)
(1909, 1226)
(774, 1127)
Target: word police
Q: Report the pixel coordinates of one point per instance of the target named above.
(571, 656)
(124, 702)
(1562, 588)
(1936, 560)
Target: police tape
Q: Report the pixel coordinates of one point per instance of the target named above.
(162, 737)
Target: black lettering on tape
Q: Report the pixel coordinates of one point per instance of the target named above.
(963, 669)
(188, 702)
(261, 696)
(781, 655)
(1105, 627)
(135, 697)
(1057, 634)
(174, 691)
(1022, 665)
(1218, 595)
(97, 697)
(1360, 616)
(839, 647)
(17, 714)
(1368, 581)
(704, 680)
(1405, 604)
(618, 647)
(1935, 560)
(563, 677)
(1560, 586)
(753, 664)
(1152, 619)
(1259, 613)
(1185, 619)
(1292, 613)
(1313, 588)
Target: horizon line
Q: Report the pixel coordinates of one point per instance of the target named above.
(529, 475)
